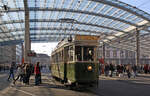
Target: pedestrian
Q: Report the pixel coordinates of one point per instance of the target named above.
(134, 68)
(111, 69)
(23, 75)
(118, 69)
(100, 67)
(146, 68)
(27, 73)
(19, 74)
(11, 71)
(106, 69)
(37, 73)
(128, 70)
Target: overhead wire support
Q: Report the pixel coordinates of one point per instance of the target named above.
(137, 46)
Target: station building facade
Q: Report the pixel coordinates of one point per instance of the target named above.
(44, 59)
(19, 53)
(7, 55)
(120, 56)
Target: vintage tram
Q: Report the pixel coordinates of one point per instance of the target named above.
(74, 60)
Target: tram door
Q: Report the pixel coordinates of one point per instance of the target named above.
(65, 62)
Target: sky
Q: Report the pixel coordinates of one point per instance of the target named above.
(141, 4)
(47, 48)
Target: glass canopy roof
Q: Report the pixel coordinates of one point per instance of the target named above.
(53, 20)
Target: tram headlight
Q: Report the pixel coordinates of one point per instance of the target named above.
(89, 68)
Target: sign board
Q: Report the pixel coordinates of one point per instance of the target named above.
(86, 37)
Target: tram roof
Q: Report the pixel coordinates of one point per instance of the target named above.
(52, 20)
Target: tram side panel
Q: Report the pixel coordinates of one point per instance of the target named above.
(57, 69)
(71, 72)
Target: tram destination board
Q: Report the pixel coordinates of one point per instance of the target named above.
(86, 37)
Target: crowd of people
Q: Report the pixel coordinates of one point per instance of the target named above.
(120, 70)
(23, 73)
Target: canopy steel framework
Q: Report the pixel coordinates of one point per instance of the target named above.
(114, 21)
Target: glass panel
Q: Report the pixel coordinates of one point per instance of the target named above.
(108, 53)
(78, 53)
(71, 52)
(114, 53)
(88, 54)
(19, 3)
(32, 13)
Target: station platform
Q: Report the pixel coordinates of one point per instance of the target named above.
(49, 87)
(139, 79)
(108, 86)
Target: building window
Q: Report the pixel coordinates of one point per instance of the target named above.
(121, 53)
(130, 54)
(114, 53)
(108, 53)
(126, 54)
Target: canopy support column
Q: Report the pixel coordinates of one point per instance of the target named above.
(137, 47)
(27, 33)
(104, 51)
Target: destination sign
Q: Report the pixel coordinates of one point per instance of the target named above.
(86, 37)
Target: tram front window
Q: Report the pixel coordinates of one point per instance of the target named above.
(88, 53)
(84, 53)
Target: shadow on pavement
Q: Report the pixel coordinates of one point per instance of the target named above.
(3, 81)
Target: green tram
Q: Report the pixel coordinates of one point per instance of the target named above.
(74, 60)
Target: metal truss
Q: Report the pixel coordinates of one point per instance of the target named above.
(70, 10)
(97, 20)
(53, 20)
(45, 28)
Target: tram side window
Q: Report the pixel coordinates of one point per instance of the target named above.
(62, 55)
(70, 53)
(78, 53)
(88, 53)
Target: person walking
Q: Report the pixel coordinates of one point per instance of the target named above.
(111, 69)
(128, 70)
(19, 74)
(11, 71)
(37, 73)
(106, 69)
(146, 68)
(27, 73)
(134, 68)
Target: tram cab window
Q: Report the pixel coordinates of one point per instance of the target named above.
(88, 53)
(78, 53)
(71, 52)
